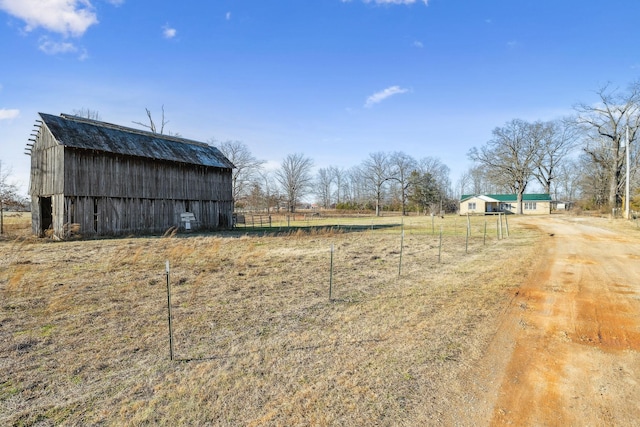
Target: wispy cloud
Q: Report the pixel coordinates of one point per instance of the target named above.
(513, 44)
(228, 16)
(84, 55)
(8, 114)
(168, 32)
(418, 44)
(384, 94)
(51, 47)
(66, 17)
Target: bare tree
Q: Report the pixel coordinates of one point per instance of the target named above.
(593, 181)
(263, 192)
(401, 167)
(8, 193)
(476, 181)
(246, 165)
(566, 184)
(339, 177)
(376, 172)
(606, 125)
(510, 157)
(354, 188)
(152, 125)
(463, 184)
(87, 113)
(324, 182)
(559, 138)
(294, 176)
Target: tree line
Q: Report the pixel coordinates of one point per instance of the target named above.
(383, 181)
(583, 157)
(580, 158)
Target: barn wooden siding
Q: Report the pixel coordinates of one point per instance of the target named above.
(105, 193)
(114, 215)
(101, 174)
(47, 161)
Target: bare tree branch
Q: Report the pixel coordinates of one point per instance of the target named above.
(152, 126)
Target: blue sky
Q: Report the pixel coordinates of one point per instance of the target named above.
(333, 79)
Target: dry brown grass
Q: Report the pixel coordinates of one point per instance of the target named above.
(15, 224)
(84, 339)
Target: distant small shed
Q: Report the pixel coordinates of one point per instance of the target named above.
(98, 178)
(532, 204)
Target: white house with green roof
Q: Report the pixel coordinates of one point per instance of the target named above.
(532, 204)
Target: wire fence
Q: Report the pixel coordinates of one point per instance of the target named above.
(330, 260)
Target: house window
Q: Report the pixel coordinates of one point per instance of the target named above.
(472, 206)
(505, 206)
(530, 206)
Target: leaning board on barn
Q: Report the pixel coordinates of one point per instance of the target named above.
(112, 180)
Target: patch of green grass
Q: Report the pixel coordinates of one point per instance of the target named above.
(8, 389)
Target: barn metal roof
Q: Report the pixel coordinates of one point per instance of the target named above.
(79, 132)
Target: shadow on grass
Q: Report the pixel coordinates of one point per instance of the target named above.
(175, 232)
(315, 229)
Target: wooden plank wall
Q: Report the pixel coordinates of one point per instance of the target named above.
(47, 165)
(104, 175)
(36, 224)
(117, 216)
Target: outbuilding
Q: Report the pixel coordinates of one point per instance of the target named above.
(98, 178)
(532, 204)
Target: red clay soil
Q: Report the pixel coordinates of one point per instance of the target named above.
(567, 352)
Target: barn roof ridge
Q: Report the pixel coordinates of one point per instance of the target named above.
(83, 133)
(131, 130)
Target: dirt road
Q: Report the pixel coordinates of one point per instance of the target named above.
(567, 352)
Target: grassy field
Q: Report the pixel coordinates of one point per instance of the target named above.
(84, 337)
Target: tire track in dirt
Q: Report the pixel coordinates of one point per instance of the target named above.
(576, 331)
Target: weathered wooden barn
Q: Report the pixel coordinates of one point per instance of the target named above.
(98, 178)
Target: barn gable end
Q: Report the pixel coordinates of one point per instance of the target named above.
(98, 178)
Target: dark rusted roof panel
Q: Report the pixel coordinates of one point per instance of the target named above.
(78, 132)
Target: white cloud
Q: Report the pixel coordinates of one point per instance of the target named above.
(66, 17)
(169, 32)
(84, 55)
(228, 16)
(6, 114)
(418, 44)
(53, 48)
(384, 94)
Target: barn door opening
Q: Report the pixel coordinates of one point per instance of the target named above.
(46, 214)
